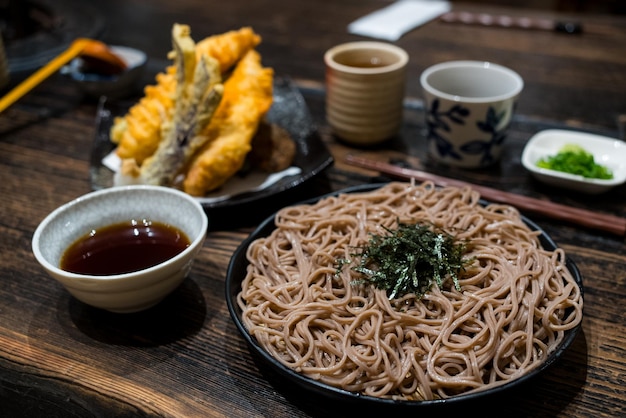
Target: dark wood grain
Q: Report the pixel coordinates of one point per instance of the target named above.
(184, 357)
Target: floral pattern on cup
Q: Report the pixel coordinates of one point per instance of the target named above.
(469, 106)
(437, 119)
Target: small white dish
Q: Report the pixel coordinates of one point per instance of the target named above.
(609, 152)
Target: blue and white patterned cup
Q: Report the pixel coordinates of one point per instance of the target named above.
(469, 106)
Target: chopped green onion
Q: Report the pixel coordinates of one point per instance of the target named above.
(574, 159)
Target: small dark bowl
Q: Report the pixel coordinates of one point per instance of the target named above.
(113, 86)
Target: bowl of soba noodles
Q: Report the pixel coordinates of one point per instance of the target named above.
(404, 294)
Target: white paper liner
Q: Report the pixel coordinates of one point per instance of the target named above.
(251, 182)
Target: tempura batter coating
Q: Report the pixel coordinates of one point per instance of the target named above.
(198, 94)
(247, 98)
(229, 47)
(138, 133)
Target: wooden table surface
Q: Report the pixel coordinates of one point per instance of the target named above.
(184, 357)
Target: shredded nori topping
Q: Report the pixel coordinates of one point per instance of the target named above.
(410, 259)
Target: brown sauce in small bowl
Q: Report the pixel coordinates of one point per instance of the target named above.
(123, 248)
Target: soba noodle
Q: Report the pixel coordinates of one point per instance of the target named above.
(516, 302)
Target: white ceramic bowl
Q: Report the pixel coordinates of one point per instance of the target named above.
(129, 292)
(607, 151)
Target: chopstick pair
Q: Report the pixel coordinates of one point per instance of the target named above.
(582, 217)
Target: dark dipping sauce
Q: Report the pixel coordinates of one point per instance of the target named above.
(123, 248)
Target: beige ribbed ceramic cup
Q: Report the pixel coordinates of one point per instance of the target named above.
(365, 88)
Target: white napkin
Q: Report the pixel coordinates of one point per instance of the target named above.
(393, 21)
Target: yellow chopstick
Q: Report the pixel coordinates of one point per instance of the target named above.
(44, 72)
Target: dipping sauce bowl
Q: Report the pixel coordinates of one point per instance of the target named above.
(115, 86)
(92, 214)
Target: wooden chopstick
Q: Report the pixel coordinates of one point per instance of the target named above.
(589, 219)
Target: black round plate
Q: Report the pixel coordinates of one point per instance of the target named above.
(289, 110)
(237, 271)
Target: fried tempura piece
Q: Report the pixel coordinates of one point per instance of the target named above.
(247, 98)
(198, 94)
(138, 133)
(229, 47)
